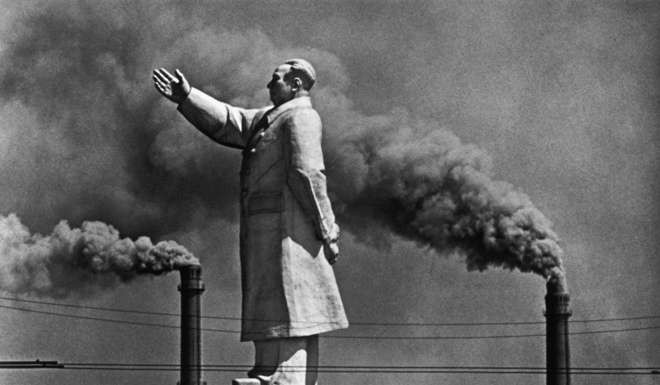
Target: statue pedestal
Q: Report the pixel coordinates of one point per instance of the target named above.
(245, 381)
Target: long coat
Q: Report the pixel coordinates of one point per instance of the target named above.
(289, 288)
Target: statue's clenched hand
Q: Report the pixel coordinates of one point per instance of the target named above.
(331, 251)
(175, 88)
(330, 247)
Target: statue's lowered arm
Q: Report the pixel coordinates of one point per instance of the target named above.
(305, 175)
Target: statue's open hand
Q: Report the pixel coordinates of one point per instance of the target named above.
(175, 88)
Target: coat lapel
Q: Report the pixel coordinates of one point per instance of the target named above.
(270, 116)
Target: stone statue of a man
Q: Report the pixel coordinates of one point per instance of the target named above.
(288, 236)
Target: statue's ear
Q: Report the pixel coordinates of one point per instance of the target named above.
(297, 84)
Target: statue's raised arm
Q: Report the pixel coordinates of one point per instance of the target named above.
(175, 88)
(226, 124)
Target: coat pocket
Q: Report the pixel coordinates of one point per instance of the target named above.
(263, 202)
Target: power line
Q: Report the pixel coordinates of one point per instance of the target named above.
(332, 336)
(471, 369)
(36, 364)
(481, 337)
(352, 369)
(75, 306)
(399, 367)
(355, 323)
(380, 370)
(107, 319)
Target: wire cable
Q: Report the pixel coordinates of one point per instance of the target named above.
(404, 369)
(407, 369)
(379, 370)
(137, 323)
(400, 367)
(332, 335)
(355, 323)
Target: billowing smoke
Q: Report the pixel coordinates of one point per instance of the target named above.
(419, 180)
(79, 110)
(79, 259)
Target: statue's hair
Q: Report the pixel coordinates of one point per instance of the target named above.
(302, 69)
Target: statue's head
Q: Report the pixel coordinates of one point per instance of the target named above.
(295, 77)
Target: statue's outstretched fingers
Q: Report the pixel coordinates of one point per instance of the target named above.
(160, 76)
(157, 80)
(160, 88)
(168, 75)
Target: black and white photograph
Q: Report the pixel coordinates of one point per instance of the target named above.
(289, 192)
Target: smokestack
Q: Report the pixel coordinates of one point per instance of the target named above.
(191, 289)
(558, 362)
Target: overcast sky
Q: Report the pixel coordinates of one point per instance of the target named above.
(559, 98)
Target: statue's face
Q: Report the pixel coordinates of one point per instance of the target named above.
(280, 90)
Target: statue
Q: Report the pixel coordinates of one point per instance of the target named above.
(288, 234)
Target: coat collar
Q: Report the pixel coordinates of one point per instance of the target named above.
(302, 101)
